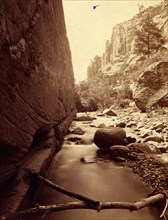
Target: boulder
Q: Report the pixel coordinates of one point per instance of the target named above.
(118, 151)
(151, 86)
(107, 137)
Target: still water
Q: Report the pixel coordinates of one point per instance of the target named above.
(107, 181)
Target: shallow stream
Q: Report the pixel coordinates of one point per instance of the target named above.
(104, 181)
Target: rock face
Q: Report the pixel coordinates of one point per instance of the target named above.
(37, 83)
(123, 34)
(151, 87)
(106, 137)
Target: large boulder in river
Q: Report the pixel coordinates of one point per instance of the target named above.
(151, 86)
(106, 137)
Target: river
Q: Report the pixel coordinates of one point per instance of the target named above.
(106, 181)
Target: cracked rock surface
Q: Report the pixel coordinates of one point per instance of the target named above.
(37, 82)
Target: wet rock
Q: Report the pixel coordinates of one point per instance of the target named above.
(106, 137)
(93, 126)
(131, 124)
(109, 112)
(131, 139)
(140, 125)
(118, 151)
(159, 126)
(162, 149)
(102, 125)
(151, 86)
(153, 138)
(146, 134)
(121, 124)
(142, 148)
(84, 118)
(132, 156)
(74, 139)
(100, 115)
(78, 131)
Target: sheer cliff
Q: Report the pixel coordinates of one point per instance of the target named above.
(36, 84)
(115, 77)
(123, 34)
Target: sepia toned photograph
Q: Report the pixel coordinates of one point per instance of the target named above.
(83, 109)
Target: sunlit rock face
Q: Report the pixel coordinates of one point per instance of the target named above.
(122, 40)
(37, 82)
(151, 86)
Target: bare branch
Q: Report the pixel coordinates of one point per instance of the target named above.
(81, 205)
(65, 191)
(165, 208)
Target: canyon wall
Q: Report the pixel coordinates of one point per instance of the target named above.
(123, 34)
(36, 83)
(116, 77)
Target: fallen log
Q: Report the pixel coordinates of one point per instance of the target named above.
(64, 191)
(82, 205)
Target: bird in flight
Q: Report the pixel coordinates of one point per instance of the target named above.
(95, 6)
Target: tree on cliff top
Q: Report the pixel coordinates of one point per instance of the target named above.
(148, 37)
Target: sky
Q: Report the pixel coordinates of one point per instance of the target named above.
(88, 29)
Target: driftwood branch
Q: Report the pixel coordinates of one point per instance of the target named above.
(81, 205)
(165, 208)
(64, 191)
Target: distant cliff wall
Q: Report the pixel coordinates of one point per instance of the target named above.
(36, 83)
(123, 34)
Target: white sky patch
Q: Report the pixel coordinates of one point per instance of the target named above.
(88, 29)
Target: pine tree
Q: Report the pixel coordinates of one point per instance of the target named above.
(148, 37)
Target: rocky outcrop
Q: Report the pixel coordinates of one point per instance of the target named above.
(122, 40)
(37, 83)
(151, 87)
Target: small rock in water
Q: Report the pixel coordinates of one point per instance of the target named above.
(121, 124)
(102, 125)
(142, 148)
(118, 151)
(92, 126)
(100, 115)
(109, 112)
(131, 139)
(132, 156)
(78, 131)
(162, 149)
(159, 126)
(146, 134)
(131, 124)
(153, 138)
(84, 118)
(73, 139)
